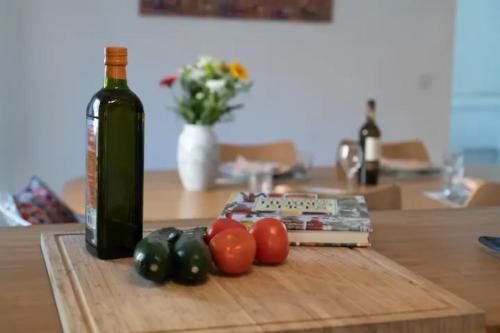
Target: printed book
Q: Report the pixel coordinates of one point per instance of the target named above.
(311, 219)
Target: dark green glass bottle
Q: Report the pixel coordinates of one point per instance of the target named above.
(369, 139)
(115, 164)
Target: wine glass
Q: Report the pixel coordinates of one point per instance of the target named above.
(350, 156)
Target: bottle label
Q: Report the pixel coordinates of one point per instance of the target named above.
(91, 190)
(372, 149)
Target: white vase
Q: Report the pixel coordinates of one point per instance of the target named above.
(197, 157)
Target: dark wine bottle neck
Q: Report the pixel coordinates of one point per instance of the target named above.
(370, 116)
(115, 77)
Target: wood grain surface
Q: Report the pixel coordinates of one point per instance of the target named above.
(440, 245)
(316, 289)
(164, 197)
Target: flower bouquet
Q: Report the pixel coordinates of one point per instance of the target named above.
(207, 88)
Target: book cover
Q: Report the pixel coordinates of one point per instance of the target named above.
(302, 212)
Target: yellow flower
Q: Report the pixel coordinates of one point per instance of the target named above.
(238, 71)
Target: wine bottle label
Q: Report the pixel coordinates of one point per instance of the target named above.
(372, 149)
(91, 191)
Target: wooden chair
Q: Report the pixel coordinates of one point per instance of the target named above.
(405, 150)
(486, 194)
(384, 197)
(281, 152)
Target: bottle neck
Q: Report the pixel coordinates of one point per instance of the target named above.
(370, 116)
(115, 77)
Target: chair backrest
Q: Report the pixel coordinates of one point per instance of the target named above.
(384, 197)
(405, 150)
(281, 152)
(487, 194)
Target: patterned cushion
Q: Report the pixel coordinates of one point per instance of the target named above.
(38, 204)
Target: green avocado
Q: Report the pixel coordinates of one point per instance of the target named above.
(192, 260)
(153, 258)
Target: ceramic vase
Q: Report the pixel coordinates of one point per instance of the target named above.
(197, 157)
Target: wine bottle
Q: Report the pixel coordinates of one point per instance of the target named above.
(369, 139)
(115, 163)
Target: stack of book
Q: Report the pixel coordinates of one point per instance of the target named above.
(311, 219)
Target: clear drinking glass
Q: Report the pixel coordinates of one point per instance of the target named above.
(260, 182)
(304, 163)
(350, 156)
(453, 172)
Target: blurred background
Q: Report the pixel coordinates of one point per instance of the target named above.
(432, 66)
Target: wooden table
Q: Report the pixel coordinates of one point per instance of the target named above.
(440, 245)
(164, 197)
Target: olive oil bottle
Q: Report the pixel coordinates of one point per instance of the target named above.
(369, 139)
(115, 163)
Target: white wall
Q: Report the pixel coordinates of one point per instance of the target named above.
(8, 15)
(3, 88)
(311, 80)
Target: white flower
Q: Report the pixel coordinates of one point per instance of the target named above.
(199, 95)
(215, 86)
(195, 74)
(204, 60)
(184, 69)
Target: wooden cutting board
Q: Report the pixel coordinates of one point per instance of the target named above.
(317, 289)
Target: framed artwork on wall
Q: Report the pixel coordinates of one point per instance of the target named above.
(290, 10)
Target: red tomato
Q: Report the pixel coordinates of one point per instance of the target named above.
(233, 250)
(271, 238)
(222, 224)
